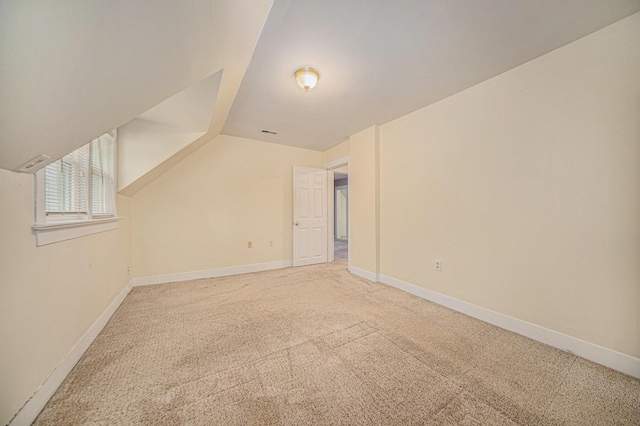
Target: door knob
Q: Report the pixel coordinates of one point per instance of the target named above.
(296, 224)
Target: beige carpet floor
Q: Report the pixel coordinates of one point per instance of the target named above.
(317, 345)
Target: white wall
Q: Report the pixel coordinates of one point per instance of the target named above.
(49, 295)
(527, 187)
(201, 213)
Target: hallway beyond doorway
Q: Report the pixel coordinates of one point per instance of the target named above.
(341, 250)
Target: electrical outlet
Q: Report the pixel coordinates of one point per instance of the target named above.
(249, 244)
(128, 270)
(270, 243)
(438, 265)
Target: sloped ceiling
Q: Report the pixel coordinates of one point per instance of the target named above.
(147, 141)
(381, 59)
(72, 70)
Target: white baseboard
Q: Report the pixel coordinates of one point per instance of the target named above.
(210, 273)
(363, 273)
(43, 394)
(598, 354)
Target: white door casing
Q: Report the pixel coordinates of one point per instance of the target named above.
(310, 216)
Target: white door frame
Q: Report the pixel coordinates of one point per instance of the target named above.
(331, 166)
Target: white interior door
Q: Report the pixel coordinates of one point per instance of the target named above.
(310, 216)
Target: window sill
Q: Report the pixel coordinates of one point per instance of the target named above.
(54, 232)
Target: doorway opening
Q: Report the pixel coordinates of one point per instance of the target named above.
(341, 214)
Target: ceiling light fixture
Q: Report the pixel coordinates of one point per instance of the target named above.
(307, 77)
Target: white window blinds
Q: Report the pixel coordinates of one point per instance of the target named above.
(80, 185)
(102, 176)
(66, 186)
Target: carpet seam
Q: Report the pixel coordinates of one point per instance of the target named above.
(555, 394)
(250, 362)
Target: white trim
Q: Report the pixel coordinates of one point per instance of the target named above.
(39, 399)
(72, 223)
(210, 273)
(363, 273)
(60, 231)
(609, 358)
(337, 162)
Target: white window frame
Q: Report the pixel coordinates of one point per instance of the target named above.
(49, 232)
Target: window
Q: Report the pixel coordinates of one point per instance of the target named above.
(76, 194)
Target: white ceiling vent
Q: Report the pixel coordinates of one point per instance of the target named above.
(35, 164)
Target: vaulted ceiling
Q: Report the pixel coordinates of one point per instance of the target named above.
(381, 59)
(72, 70)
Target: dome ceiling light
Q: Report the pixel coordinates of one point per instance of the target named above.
(307, 77)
